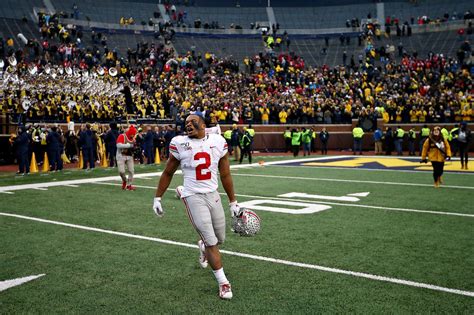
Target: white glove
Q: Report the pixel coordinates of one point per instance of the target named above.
(157, 208)
(234, 208)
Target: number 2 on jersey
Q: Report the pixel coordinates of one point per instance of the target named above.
(202, 170)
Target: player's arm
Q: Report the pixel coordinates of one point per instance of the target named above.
(226, 177)
(227, 183)
(171, 166)
(165, 180)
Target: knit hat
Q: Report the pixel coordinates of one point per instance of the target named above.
(131, 132)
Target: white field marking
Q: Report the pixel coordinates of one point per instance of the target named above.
(96, 180)
(306, 208)
(371, 169)
(362, 194)
(319, 197)
(7, 284)
(256, 257)
(40, 188)
(7, 192)
(72, 182)
(329, 203)
(71, 185)
(349, 181)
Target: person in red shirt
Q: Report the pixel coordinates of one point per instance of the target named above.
(125, 144)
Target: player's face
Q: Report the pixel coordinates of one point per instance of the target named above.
(195, 127)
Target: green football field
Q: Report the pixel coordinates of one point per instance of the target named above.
(334, 240)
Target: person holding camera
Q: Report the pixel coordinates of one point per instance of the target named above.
(437, 149)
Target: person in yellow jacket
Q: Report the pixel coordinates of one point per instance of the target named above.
(436, 149)
(357, 134)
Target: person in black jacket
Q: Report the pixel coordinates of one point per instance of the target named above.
(86, 141)
(148, 146)
(52, 148)
(111, 143)
(324, 137)
(388, 139)
(21, 143)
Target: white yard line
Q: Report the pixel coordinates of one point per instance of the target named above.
(327, 203)
(256, 257)
(7, 284)
(349, 181)
(367, 169)
(6, 189)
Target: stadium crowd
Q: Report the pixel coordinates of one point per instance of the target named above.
(56, 78)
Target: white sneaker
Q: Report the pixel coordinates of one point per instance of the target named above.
(225, 291)
(202, 254)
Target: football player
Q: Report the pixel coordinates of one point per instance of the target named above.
(125, 144)
(200, 156)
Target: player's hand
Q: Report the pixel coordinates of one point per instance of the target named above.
(234, 208)
(448, 158)
(424, 161)
(157, 208)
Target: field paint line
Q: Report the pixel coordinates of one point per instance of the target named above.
(7, 192)
(319, 197)
(95, 180)
(327, 203)
(350, 181)
(72, 182)
(71, 185)
(371, 169)
(255, 257)
(40, 188)
(7, 284)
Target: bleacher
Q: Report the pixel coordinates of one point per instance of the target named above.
(10, 27)
(15, 9)
(108, 11)
(309, 47)
(433, 9)
(237, 48)
(224, 16)
(321, 17)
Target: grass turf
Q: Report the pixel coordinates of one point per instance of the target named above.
(88, 272)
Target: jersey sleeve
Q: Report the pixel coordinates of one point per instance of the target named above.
(174, 148)
(222, 145)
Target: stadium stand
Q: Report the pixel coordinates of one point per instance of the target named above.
(323, 17)
(225, 17)
(13, 9)
(108, 11)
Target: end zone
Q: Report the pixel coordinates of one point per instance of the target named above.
(391, 163)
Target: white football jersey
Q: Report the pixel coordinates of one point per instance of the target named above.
(199, 160)
(216, 130)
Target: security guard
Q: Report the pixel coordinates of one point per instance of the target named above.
(228, 137)
(306, 139)
(411, 141)
(453, 140)
(287, 137)
(445, 133)
(400, 133)
(295, 141)
(314, 135)
(246, 145)
(424, 134)
(357, 134)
